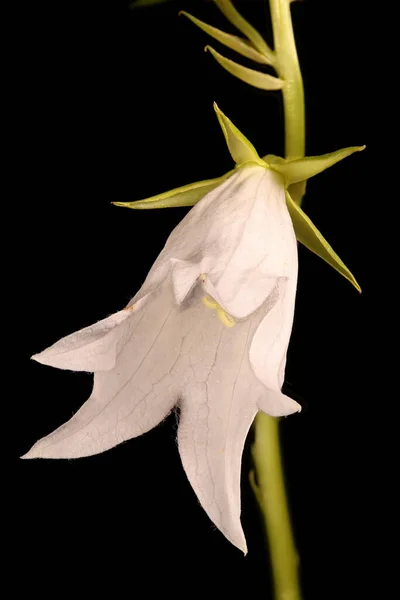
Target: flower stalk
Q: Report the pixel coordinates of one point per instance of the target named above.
(288, 68)
(269, 488)
(267, 480)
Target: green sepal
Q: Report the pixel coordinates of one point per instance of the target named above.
(311, 238)
(240, 148)
(297, 191)
(187, 195)
(230, 12)
(257, 79)
(242, 152)
(301, 169)
(231, 41)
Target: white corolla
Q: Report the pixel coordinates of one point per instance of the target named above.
(208, 331)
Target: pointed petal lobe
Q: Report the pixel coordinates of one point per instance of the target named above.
(90, 349)
(276, 404)
(219, 395)
(134, 396)
(219, 399)
(270, 343)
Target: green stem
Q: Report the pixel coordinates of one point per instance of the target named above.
(271, 496)
(288, 69)
(269, 488)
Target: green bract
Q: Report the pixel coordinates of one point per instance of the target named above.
(255, 78)
(252, 46)
(255, 39)
(291, 171)
(240, 45)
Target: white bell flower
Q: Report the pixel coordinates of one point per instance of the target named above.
(208, 332)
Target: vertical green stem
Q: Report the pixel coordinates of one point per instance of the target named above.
(270, 486)
(271, 496)
(288, 69)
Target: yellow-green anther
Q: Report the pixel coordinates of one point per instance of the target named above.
(231, 41)
(311, 238)
(241, 149)
(304, 168)
(230, 12)
(187, 195)
(223, 316)
(255, 78)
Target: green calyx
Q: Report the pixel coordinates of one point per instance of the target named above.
(293, 173)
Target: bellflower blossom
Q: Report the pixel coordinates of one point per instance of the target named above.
(208, 331)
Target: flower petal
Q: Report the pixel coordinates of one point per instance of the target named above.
(219, 395)
(91, 349)
(263, 250)
(184, 277)
(188, 240)
(211, 455)
(270, 342)
(276, 404)
(134, 396)
(240, 236)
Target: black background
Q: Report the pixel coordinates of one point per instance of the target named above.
(116, 104)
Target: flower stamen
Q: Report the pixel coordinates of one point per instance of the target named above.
(223, 316)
